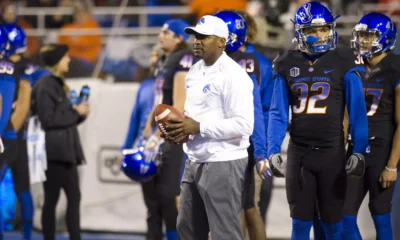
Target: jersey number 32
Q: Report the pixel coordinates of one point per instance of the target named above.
(308, 103)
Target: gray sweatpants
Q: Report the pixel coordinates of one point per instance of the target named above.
(210, 200)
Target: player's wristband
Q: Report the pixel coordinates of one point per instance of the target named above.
(391, 169)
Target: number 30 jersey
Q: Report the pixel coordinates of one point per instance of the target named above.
(379, 89)
(164, 74)
(317, 94)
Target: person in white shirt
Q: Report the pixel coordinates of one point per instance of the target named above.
(219, 120)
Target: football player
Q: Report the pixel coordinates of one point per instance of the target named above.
(9, 84)
(318, 81)
(257, 151)
(140, 112)
(263, 192)
(374, 37)
(170, 89)
(19, 167)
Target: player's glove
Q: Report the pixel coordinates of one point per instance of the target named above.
(355, 165)
(264, 169)
(277, 166)
(151, 147)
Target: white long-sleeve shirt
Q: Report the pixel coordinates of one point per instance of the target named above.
(220, 97)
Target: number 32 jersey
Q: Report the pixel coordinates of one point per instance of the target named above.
(318, 94)
(379, 88)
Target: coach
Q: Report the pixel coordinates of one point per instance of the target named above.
(219, 119)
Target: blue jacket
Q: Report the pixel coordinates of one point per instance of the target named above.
(266, 84)
(140, 112)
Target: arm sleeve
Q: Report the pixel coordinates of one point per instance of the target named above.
(355, 102)
(266, 90)
(239, 108)
(50, 115)
(134, 123)
(278, 115)
(258, 137)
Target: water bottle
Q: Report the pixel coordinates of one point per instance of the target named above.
(85, 93)
(73, 97)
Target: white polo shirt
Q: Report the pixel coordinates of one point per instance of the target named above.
(220, 97)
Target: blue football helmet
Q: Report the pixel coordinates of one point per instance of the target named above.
(16, 37)
(4, 43)
(315, 14)
(237, 29)
(375, 33)
(135, 165)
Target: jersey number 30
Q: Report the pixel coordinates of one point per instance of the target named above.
(307, 103)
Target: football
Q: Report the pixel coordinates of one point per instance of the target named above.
(165, 112)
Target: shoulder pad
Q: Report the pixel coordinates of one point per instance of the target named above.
(284, 56)
(281, 56)
(181, 60)
(394, 62)
(348, 53)
(350, 57)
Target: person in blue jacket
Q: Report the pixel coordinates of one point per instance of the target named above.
(258, 149)
(263, 192)
(318, 81)
(140, 112)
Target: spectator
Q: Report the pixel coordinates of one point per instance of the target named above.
(204, 7)
(51, 21)
(86, 48)
(59, 119)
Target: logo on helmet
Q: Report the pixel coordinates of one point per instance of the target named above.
(202, 21)
(232, 38)
(13, 34)
(305, 16)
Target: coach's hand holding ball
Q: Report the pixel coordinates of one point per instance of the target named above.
(179, 128)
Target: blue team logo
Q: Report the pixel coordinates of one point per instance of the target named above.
(206, 88)
(201, 21)
(305, 16)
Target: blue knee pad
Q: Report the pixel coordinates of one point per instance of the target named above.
(383, 226)
(171, 235)
(333, 231)
(301, 229)
(319, 233)
(350, 228)
(27, 209)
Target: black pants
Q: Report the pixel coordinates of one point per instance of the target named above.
(20, 169)
(316, 174)
(61, 175)
(160, 192)
(7, 158)
(248, 194)
(379, 198)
